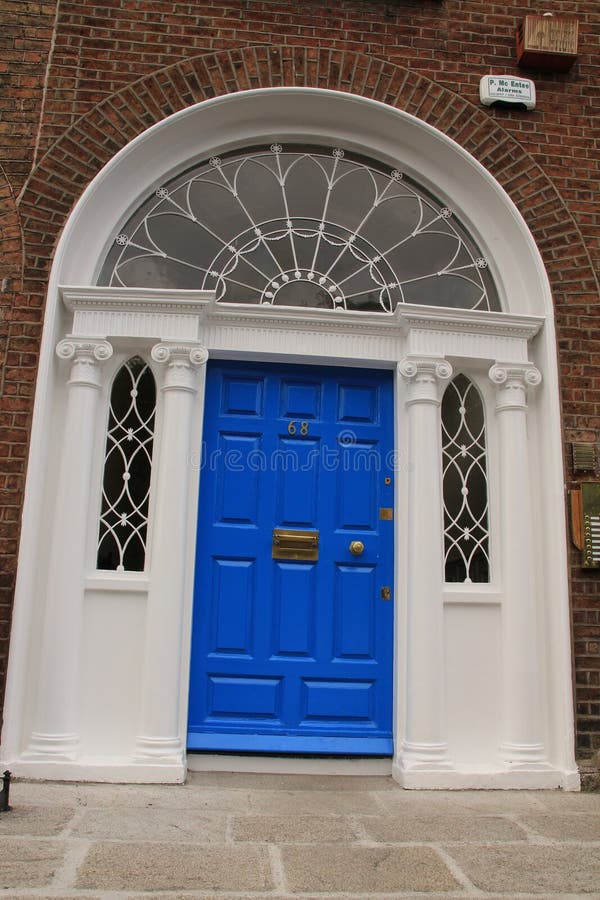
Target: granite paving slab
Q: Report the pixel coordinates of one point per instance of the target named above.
(534, 868)
(26, 863)
(558, 827)
(296, 803)
(293, 829)
(492, 803)
(152, 824)
(432, 829)
(253, 837)
(330, 868)
(114, 866)
(38, 821)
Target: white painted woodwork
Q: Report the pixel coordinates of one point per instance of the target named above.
(521, 736)
(56, 725)
(424, 745)
(159, 737)
(86, 653)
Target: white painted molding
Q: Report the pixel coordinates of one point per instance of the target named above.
(511, 382)
(137, 312)
(117, 582)
(163, 300)
(192, 315)
(300, 115)
(182, 362)
(160, 736)
(55, 733)
(424, 746)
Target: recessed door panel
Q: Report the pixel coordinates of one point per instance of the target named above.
(237, 488)
(356, 484)
(296, 465)
(300, 399)
(350, 702)
(294, 610)
(292, 641)
(243, 697)
(358, 403)
(242, 396)
(233, 605)
(354, 613)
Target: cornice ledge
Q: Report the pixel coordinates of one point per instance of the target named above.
(405, 318)
(140, 300)
(303, 319)
(468, 321)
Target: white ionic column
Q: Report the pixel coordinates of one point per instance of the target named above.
(159, 738)
(424, 746)
(521, 730)
(55, 735)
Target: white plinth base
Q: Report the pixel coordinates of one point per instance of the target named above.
(127, 771)
(110, 771)
(542, 778)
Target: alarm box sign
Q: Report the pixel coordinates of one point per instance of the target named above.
(506, 90)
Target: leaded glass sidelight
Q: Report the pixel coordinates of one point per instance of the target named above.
(466, 536)
(297, 226)
(127, 469)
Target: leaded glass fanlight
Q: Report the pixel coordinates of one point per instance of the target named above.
(127, 469)
(466, 534)
(297, 226)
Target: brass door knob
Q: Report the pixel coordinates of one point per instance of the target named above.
(356, 547)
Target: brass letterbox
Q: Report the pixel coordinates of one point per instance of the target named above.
(293, 544)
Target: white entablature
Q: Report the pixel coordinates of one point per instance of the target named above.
(194, 315)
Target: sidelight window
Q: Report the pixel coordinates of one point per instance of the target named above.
(127, 469)
(465, 484)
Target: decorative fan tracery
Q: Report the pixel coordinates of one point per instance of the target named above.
(298, 227)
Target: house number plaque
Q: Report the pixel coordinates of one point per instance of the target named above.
(297, 427)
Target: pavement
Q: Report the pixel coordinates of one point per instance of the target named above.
(296, 836)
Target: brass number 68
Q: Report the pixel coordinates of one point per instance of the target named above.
(293, 427)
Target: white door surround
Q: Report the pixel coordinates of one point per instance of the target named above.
(483, 675)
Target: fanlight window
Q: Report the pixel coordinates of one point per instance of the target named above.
(466, 536)
(312, 227)
(127, 468)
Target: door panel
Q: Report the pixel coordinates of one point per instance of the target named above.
(292, 655)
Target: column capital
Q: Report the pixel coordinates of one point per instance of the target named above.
(425, 375)
(512, 380)
(182, 361)
(87, 354)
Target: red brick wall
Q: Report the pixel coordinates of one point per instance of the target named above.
(118, 66)
(25, 39)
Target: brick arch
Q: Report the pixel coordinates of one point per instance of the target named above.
(76, 157)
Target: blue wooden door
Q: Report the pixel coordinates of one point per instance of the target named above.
(288, 654)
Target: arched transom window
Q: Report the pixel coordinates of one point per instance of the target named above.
(301, 226)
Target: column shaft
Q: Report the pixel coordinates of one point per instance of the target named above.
(521, 736)
(56, 721)
(424, 745)
(159, 736)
